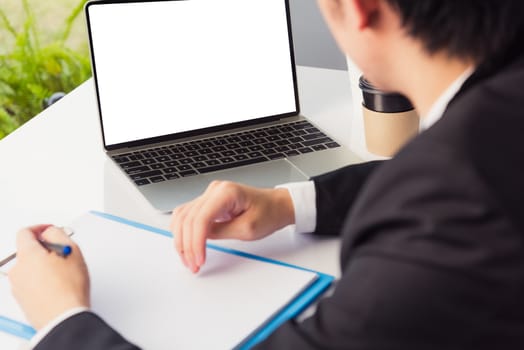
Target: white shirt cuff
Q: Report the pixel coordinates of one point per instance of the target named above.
(303, 195)
(51, 325)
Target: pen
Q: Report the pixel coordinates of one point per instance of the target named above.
(60, 249)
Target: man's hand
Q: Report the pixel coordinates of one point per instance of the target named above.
(228, 211)
(45, 284)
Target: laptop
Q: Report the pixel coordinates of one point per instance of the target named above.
(194, 91)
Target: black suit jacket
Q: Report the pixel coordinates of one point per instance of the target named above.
(433, 240)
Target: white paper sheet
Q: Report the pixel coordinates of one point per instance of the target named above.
(10, 342)
(140, 287)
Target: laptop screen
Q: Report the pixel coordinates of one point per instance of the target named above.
(175, 67)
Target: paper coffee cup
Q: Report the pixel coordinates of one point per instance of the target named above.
(389, 119)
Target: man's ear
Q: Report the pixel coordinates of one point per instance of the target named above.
(361, 13)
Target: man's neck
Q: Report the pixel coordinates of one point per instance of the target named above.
(426, 78)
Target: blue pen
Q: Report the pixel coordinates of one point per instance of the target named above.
(60, 249)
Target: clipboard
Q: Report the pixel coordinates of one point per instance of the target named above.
(294, 305)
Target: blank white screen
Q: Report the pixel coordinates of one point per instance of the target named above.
(174, 66)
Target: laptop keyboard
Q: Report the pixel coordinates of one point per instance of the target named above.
(223, 152)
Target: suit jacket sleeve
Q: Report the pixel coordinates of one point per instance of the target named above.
(84, 331)
(336, 192)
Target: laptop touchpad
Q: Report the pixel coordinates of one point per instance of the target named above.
(167, 195)
(267, 174)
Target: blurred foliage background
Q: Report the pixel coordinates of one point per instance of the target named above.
(43, 50)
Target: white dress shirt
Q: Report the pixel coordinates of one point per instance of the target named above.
(303, 194)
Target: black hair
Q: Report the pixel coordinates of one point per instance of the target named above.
(468, 29)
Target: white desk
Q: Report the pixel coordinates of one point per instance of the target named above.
(56, 162)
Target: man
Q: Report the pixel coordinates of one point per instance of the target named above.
(432, 240)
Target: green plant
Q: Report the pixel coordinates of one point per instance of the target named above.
(31, 71)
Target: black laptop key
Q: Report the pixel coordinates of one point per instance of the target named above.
(184, 167)
(199, 165)
(121, 160)
(305, 150)
(136, 170)
(149, 161)
(157, 166)
(228, 153)
(299, 133)
(145, 175)
(301, 125)
(332, 145)
(192, 147)
(135, 157)
(247, 137)
(233, 146)
(292, 153)
(129, 165)
(212, 162)
(312, 130)
(297, 139)
(157, 179)
(276, 156)
(233, 164)
(170, 170)
(172, 176)
(200, 158)
(142, 182)
(172, 163)
(219, 148)
(164, 152)
(214, 156)
(319, 147)
(260, 134)
(282, 149)
(246, 143)
(317, 141)
(191, 154)
(177, 156)
(162, 159)
(269, 145)
(205, 151)
(242, 151)
(260, 141)
(233, 139)
(241, 157)
(282, 142)
(186, 161)
(220, 142)
(226, 160)
(255, 155)
(256, 148)
(313, 136)
(188, 173)
(269, 151)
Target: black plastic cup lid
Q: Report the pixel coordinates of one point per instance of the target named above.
(383, 101)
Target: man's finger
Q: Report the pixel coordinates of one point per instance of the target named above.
(54, 234)
(26, 241)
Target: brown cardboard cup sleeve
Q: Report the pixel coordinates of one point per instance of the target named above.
(386, 133)
(389, 119)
